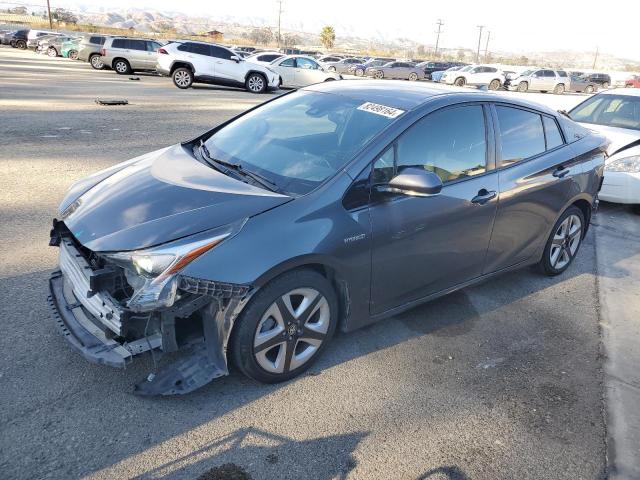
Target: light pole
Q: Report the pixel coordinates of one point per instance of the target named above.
(279, 17)
(486, 45)
(440, 23)
(480, 27)
(50, 21)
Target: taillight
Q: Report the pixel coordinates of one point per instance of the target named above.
(103, 52)
(163, 51)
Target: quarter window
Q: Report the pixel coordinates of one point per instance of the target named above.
(521, 134)
(551, 133)
(289, 62)
(450, 142)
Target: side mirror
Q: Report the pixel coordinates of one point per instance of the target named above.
(414, 182)
(235, 58)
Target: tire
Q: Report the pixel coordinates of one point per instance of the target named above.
(332, 69)
(379, 75)
(21, 44)
(588, 89)
(544, 91)
(73, 54)
(564, 242)
(96, 62)
(282, 353)
(494, 84)
(330, 79)
(605, 85)
(255, 83)
(359, 72)
(121, 66)
(413, 76)
(559, 89)
(52, 52)
(636, 208)
(182, 77)
(523, 87)
(460, 82)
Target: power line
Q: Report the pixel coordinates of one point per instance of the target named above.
(440, 23)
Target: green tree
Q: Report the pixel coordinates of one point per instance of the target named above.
(327, 37)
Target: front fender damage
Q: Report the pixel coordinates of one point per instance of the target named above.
(206, 359)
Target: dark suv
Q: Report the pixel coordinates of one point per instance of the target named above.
(601, 79)
(430, 67)
(19, 39)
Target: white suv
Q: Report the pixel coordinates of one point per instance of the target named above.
(188, 62)
(476, 75)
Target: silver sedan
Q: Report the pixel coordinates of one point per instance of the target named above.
(398, 70)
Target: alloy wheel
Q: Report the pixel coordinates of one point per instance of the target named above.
(494, 85)
(182, 79)
(52, 52)
(413, 77)
(566, 241)
(255, 83)
(589, 89)
(121, 67)
(96, 62)
(291, 330)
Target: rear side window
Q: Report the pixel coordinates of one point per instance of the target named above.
(551, 133)
(449, 142)
(521, 134)
(97, 40)
(268, 58)
(562, 73)
(137, 45)
(199, 49)
(120, 43)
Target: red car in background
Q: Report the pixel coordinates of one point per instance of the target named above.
(633, 82)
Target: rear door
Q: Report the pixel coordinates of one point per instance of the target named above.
(536, 80)
(199, 55)
(423, 245)
(151, 54)
(137, 54)
(536, 168)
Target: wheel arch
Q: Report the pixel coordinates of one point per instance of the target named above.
(251, 71)
(115, 59)
(181, 64)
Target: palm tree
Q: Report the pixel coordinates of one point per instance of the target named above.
(327, 37)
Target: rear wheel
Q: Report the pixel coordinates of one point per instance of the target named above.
(413, 76)
(559, 89)
(182, 77)
(96, 62)
(588, 89)
(359, 72)
(494, 84)
(21, 44)
(73, 54)
(256, 83)
(285, 327)
(564, 242)
(52, 52)
(605, 85)
(121, 66)
(460, 82)
(379, 75)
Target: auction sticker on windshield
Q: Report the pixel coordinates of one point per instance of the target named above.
(383, 110)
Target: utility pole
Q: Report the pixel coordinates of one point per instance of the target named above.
(279, 17)
(595, 59)
(480, 27)
(486, 45)
(49, 10)
(440, 23)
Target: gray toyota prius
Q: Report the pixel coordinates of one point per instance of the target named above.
(326, 208)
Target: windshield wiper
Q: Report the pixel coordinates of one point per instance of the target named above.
(236, 167)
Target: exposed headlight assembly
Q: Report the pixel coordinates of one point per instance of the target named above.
(626, 164)
(152, 273)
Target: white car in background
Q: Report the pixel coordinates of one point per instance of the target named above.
(189, 62)
(475, 75)
(300, 71)
(265, 58)
(616, 114)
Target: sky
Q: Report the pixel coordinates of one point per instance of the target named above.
(580, 25)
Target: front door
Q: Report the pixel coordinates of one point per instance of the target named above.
(423, 245)
(224, 67)
(307, 72)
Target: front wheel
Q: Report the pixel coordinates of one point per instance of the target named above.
(559, 89)
(21, 44)
(73, 54)
(52, 52)
(564, 242)
(285, 327)
(413, 76)
(182, 77)
(589, 89)
(378, 75)
(460, 81)
(605, 85)
(255, 83)
(523, 87)
(494, 85)
(359, 72)
(122, 67)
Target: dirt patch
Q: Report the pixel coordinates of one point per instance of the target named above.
(228, 471)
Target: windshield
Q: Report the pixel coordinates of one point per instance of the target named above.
(468, 68)
(611, 110)
(526, 73)
(298, 140)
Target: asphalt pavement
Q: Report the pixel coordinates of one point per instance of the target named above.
(500, 381)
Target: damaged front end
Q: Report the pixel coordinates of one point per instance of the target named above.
(114, 306)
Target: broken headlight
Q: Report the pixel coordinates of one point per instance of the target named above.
(152, 273)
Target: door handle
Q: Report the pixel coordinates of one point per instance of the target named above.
(484, 196)
(560, 172)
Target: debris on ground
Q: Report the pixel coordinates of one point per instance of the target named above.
(228, 471)
(112, 101)
(134, 78)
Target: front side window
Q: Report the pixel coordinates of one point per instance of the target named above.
(220, 52)
(306, 63)
(449, 142)
(298, 140)
(611, 110)
(521, 134)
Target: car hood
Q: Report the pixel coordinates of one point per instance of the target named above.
(620, 137)
(156, 198)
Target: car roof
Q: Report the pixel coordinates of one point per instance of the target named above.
(411, 95)
(627, 92)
